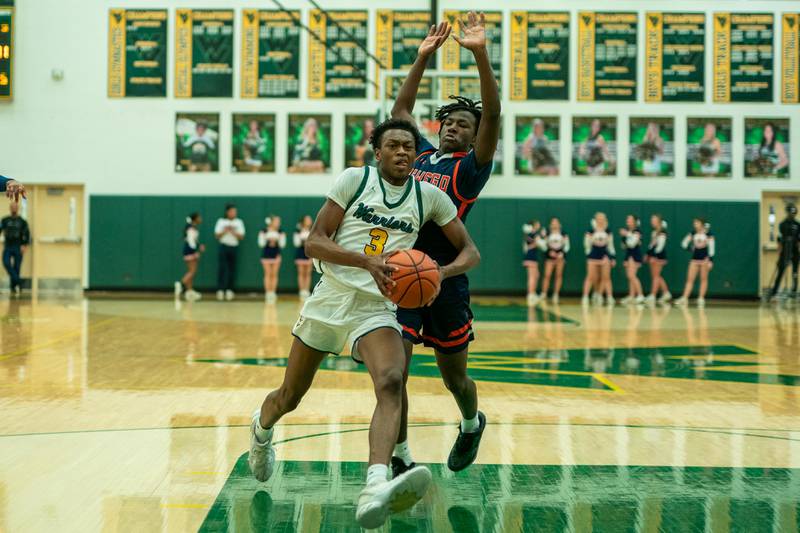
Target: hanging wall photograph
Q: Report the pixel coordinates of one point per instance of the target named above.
(253, 143)
(766, 148)
(197, 142)
(309, 144)
(708, 147)
(537, 146)
(652, 146)
(594, 146)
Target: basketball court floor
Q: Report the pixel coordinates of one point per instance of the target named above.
(132, 415)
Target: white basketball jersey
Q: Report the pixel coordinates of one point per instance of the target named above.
(374, 225)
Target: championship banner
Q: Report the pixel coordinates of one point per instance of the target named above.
(790, 59)
(743, 57)
(6, 49)
(675, 57)
(456, 58)
(397, 38)
(270, 54)
(342, 74)
(137, 52)
(606, 56)
(539, 55)
(203, 53)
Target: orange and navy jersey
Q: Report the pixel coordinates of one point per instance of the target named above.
(460, 176)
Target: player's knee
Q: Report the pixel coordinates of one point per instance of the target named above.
(458, 384)
(389, 384)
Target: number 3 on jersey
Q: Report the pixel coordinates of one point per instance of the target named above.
(377, 243)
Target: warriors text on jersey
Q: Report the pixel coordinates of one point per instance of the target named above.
(381, 218)
(460, 176)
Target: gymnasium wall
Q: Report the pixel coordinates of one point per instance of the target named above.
(69, 131)
(136, 240)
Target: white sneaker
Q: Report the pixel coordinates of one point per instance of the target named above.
(304, 295)
(650, 300)
(597, 299)
(639, 300)
(585, 301)
(229, 295)
(627, 300)
(220, 295)
(193, 295)
(271, 297)
(681, 301)
(666, 297)
(555, 298)
(610, 301)
(262, 455)
(376, 501)
(532, 299)
(701, 302)
(178, 289)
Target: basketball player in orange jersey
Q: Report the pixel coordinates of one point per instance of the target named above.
(369, 213)
(461, 166)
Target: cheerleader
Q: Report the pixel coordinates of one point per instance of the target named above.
(530, 247)
(657, 258)
(302, 261)
(271, 240)
(598, 243)
(555, 245)
(191, 255)
(701, 242)
(632, 244)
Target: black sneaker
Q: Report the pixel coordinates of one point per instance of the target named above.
(465, 450)
(399, 467)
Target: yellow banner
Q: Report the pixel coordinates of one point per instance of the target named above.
(451, 53)
(116, 53)
(183, 53)
(519, 55)
(249, 69)
(316, 55)
(654, 57)
(790, 59)
(586, 37)
(722, 57)
(383, 45)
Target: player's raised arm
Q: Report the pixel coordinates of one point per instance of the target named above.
(320, 245)
(474, 40)
(407, 96)
(12, 188)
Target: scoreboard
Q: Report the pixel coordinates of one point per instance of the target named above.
(6, 48)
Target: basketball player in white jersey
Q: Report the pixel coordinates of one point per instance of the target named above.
(369, 213)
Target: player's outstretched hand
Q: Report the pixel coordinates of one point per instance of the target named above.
(473, 32)
(381, 273)
(15, 189)
(437, 35)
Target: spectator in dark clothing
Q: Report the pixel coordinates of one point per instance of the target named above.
(16, 237)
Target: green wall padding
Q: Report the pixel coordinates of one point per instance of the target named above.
(136, 241)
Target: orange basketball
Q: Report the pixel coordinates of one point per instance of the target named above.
(417, 278)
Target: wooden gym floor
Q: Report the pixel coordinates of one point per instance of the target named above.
(131, 415)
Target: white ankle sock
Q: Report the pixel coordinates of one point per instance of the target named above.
(402, 451)
(377, 474)
(263, 435)
(470, 426)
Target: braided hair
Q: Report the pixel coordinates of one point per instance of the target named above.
(461, 104)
